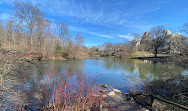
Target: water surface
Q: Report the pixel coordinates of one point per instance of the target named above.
(123, 74)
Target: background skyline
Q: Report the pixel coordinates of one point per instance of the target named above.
(102, 21)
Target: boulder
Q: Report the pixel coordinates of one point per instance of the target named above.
(104, 85)
(112, 93)
(104, 96)
(117, 91)
(103, 91)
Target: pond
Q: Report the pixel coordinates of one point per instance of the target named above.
(123, 74)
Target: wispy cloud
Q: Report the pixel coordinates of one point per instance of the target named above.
(101, 35)
(79, 29)
(158, 8)
(108, 18)
(10, 2)
(127, 36)
(108, 13)
(95, 12)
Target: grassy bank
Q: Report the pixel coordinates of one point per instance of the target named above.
(145, 54)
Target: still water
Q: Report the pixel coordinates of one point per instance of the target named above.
(122, 74)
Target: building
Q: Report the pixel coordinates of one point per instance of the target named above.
(170, 46)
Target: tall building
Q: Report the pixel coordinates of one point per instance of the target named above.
(145, 37)
(170, 45)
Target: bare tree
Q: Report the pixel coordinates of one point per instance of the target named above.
(78, 51)
(9, 32)
(185, 28)
(28, 15)
(93, 51)
(69, 48)
(157, 38)
(79, 39)
(35, 29)
(1, 33)
(109, 48)
(136, 36)
(63, 32)
(41, 34)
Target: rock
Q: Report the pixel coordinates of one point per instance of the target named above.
(146, 109)
(114, 99)
(117, 91)
(104, 85)
(103, 91)
(104, 96)
(112, 93)
(104, 104)
(105, 109)
(27, 108)
(100, 107)
(96, 95)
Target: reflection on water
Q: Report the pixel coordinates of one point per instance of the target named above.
(123, 74)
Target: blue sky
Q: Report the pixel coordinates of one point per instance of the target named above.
(103, 21)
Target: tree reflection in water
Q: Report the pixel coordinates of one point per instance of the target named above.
(144, 70)
(125, 74)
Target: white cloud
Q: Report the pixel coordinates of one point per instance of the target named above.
(128, 36)
(101, 35)
(158, 8)
(110, 36)
(7, 2)
(106, 36)
(79, 29)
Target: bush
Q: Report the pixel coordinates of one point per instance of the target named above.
(63, 92)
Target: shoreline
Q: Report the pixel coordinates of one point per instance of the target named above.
(154, 59)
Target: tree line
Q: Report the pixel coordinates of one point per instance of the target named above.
(29, 31)
(158, 40)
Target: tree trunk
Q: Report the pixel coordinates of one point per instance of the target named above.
(156, 51)
(31, 39)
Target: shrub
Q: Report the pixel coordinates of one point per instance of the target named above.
(63, 92)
